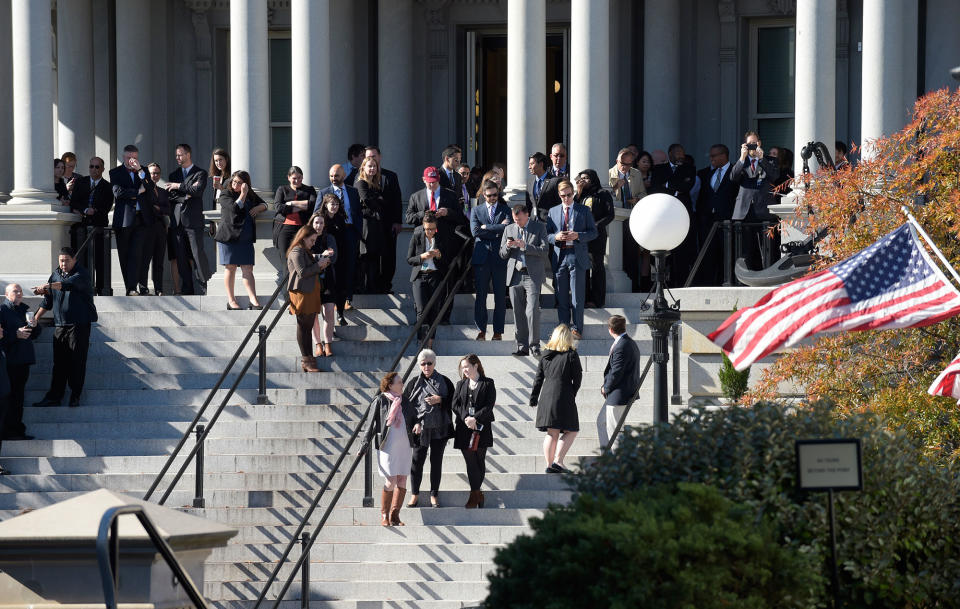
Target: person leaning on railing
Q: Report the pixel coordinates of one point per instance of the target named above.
(395, 425)
(432, 395)
(473, 401)
(305, 291)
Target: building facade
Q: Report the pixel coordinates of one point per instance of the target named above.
(280, 82)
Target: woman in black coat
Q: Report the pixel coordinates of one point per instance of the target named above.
(294, 204)
(473, 401)
(432, 394)
(373, 209)
(600, 203)
(554, 394)
(336, 221)
(236, 234)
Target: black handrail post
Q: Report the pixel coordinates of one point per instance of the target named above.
(107, 262)
(676, 398)
(727, 253)
(737, 240)
(305, 572)
(262, 349)
(198, 500)
(368, 479)
(766, 243)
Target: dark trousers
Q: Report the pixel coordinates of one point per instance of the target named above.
(70, 344)
(436, 449)
(13, 423)
(156, 257)
(476, 461)
(423, 288)
(597, 280)
(631, 259)
(305, 333)
(495, 271)
(347, 266)
(285, 235)
(93, 257)
(134, 245)
(189, 248)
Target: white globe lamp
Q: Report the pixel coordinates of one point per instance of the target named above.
(659, 222)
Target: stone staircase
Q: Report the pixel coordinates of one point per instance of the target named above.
(152, 362)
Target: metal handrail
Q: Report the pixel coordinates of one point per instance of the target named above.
(736, 227)
(216, 387)
(626, 411)
(460, 259)
(108, 555)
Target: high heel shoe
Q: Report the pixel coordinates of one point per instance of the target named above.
(236, 308)
(309, 364)
(318, 350)
(481, 499)
(327, 351)
(434, 501)
(253, 307)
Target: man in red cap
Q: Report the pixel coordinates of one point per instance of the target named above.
(445, 206)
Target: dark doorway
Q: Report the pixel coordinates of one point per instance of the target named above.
(489, 117)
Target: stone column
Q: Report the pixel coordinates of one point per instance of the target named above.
(6, 107)
(661, 74)
(526, 88)
(75, 81)
(310, 55)
(815, 112)
(32, 43)
(134, 95)
(395, 91)
(249, 102)
(617, 279)
(884, 107)
(589, 85)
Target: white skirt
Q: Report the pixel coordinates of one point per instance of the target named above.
(395, 455)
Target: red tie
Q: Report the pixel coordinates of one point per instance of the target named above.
(753, 164)
(433, 201)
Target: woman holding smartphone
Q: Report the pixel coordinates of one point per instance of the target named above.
(473, 401)
(336, 223)
(325, 247)
(305, 290)
(219, 171)
(395, 426)
(236, 234)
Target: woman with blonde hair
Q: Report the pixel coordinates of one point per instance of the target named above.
(373, 209)
(305, 290)
(554, 394)
(394, 423)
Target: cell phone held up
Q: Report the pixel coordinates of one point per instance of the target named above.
(751, 146)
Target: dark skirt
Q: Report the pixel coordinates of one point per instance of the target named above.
(239, 252)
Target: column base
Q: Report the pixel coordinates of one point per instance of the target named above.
(35, 196)
(32, 236)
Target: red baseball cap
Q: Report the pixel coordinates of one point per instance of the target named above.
(431, 174)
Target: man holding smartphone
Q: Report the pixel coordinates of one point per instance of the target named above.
(755, 173)
(429, 265)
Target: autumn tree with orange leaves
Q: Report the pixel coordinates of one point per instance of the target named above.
(888, 371)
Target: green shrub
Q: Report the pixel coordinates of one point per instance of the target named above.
(663, 548)
(733, 382)
(898, 539)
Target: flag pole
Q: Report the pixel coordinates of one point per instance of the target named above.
(930, 242)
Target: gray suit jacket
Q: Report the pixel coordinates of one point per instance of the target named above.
(755, 187)
(536, 253)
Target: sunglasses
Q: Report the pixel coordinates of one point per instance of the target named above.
(426, 363)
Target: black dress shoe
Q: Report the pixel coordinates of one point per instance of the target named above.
(46, 402)
(74, 401)
(17, 438)
(535, 350)
(342, 321)
(254, 307)
(4, 471)
(520, 353)
(144, 292)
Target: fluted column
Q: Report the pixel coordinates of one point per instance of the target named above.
(815, 98)
(32, 42)
(883, 105)
(395, 90)
(6, 107)
(310, 107)
(526, 86)
(249, 104)
(661, 74)
(75, 81)
(134, 95)
(589, 85)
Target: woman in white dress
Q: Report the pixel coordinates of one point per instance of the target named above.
(395, 426)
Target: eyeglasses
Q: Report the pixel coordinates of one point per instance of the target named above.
(493, 196)
(95, 167)
(566, 195)
(426, 363)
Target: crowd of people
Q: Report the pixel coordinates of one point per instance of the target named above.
(419, 419)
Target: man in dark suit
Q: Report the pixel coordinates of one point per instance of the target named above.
(350, 203)
(132, 218)
(524, 246)
(92, 198)
(487, 223)
(715, 203)
(543, 194)
(392, 222)
(428, 256)
(160, 199)
(570, 227)
(185, 187)
(561, 166)
(621, 378)
(450, 178)
(756, 174)
(439, 200)
(677, 178)
(354, 157)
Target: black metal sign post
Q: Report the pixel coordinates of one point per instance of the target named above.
(830, 465)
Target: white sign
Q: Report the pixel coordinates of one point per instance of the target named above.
(829, 465)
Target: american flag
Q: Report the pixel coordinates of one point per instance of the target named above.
(946, 384)
(891, 284)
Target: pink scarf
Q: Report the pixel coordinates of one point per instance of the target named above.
(394, 416)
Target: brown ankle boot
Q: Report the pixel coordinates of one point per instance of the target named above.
(309, 363)
(386, 501)
(474, 500)
(395, 508)
(327, 351)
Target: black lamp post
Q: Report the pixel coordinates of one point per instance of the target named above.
(659, 225)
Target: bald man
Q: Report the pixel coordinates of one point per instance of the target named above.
(17, 345)
(350, 203)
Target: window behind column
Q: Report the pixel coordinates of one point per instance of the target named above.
(772, 73)
(280, 112)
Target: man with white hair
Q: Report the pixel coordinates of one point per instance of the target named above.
(19, 332)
